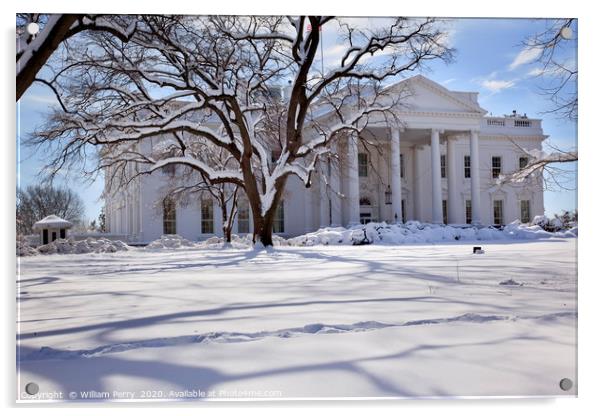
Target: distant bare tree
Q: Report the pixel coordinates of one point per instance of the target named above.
(37, 202)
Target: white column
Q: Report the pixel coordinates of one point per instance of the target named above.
(475, 185)
(353, 198)
(335, 190)
(323, 195)
(395, 177)
(437, 209)
(453, 196)
(417, 182)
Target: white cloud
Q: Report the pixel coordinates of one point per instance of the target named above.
(527, 55)
(497, 85)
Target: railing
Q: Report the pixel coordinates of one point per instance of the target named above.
(522, 123)
(495, 122)
(510, 122)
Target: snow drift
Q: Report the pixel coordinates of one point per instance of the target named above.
(71, 246)
(414, 232)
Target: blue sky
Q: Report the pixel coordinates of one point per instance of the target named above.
(489, 59)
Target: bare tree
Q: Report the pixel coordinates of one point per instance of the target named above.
(37, 202)
(34, 50)
(558, 81)
(212, 78)
(558, 73)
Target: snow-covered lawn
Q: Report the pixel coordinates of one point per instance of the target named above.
(322, 321)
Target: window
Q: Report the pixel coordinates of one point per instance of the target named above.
(403, 211)
(523, 161)
(243, 217)
(443, 166)
(401, 166)
(169, 216)
(445, 211)
(525, 210)
(496, 166)
(279, 219)
(468, 211)
(498, 212)
(207, 216)
(467, 166)
(362, 162)
(365, 217)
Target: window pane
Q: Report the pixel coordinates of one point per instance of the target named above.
(243, 217)
(522, 162)
(279, 219)
(498, 212)
(169, 216)
(207, 217)
(467, 166)
(362, 159)
(443, 166)
(468, 212)
(496, 166)
(525, 211)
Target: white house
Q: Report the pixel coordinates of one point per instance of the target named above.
(441, 167)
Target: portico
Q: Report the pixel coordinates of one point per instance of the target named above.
(394, 150)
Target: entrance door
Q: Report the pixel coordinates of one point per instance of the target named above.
(44, 236)
(53, 235)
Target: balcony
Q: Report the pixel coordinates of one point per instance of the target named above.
(511, 125)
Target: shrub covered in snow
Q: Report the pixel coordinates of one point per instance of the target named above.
(170, 241)
(565, 221)
(24, 248)
(416, 232)
(71, 246)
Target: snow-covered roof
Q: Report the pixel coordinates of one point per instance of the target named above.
(52, 221)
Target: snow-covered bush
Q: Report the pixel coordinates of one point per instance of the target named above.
(170, 241)
(24, 248)
(416, 232)
(565, 221)
(89, 245)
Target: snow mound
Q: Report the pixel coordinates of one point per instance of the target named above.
(89, 245)
(240, 242)
(170, 241)
(417, 232)
(24, 249)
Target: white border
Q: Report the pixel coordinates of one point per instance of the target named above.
(590, 290)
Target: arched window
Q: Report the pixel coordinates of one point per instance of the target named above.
(169, 216)
(365, 201)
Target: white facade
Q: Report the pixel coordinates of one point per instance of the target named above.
(389, 180)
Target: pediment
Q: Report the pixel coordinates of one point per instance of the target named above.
(425, 95)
